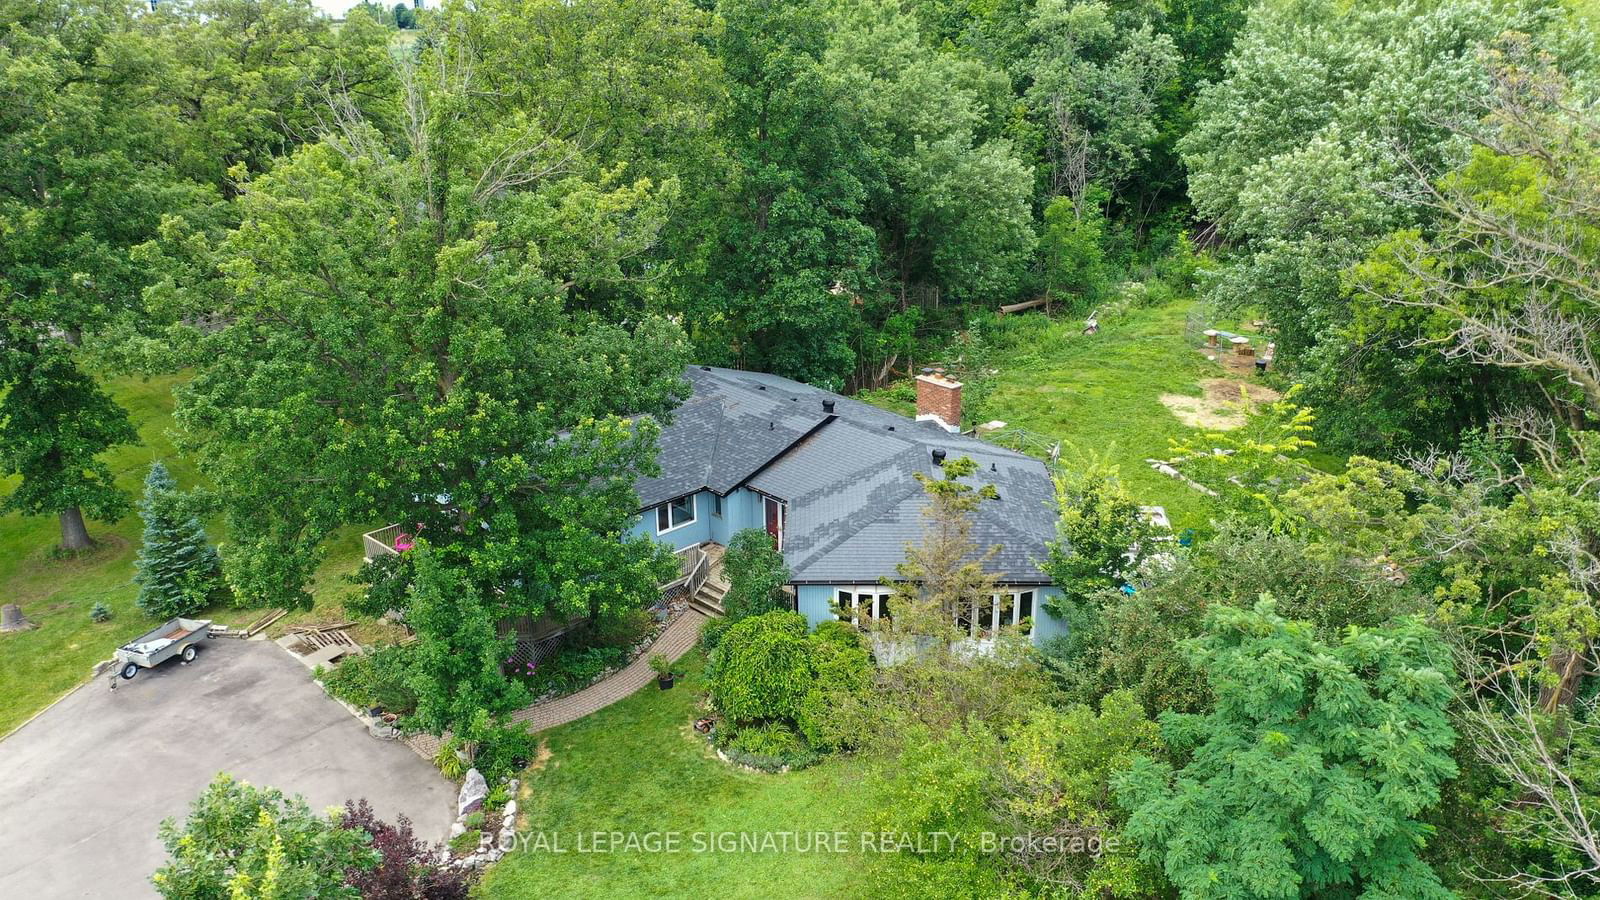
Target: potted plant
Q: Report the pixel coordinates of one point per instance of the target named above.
(663, 669)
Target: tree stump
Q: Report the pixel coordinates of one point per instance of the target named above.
(11, 619)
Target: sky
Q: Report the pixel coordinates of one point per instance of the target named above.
(337, 8)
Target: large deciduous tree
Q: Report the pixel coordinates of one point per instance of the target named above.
(1303, 153)
(398, 349)
(250, 79)
(86, 172)
(794, 252)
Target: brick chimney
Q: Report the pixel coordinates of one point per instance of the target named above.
(939, 401)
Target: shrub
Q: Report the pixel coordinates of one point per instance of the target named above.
(762, 668)
(660, 665)
(503, 750)
(711, 633)
(771, 746)
(842, 668)
(449, 762)
(770, 739)
(374, 679)
(835, 632)
(574, 668)
(1074, 258)
(498, 797)
(474, 820)
(622, 630)
(100, 613)
(239, 840)
(388, 579)
(407, 869)
(756, 575)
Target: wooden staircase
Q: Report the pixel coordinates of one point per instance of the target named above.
(708, 599)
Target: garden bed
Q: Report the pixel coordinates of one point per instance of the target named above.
(575, 667)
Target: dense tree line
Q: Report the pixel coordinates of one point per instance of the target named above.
(823, 190)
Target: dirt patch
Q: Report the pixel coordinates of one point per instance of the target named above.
(1222, 404)
(541, 757)
(105, 547)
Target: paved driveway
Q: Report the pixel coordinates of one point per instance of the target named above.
(83, 787)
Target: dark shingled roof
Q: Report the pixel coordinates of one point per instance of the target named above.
(847, 476)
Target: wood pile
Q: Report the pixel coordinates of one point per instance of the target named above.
(315, 637)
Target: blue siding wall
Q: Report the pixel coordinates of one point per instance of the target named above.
(816, 604)
(697, 532)
(1046, 626)
(740, 509)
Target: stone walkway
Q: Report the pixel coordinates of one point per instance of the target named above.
(677, 640)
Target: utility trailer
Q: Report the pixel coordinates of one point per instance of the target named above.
(175, 637)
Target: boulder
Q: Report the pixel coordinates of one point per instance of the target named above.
(509, 814)
(457, 829)
(474, 790)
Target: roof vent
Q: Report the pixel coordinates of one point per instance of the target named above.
(938, 456)
(705, 368)
(994, 467)
(772, 426)
(827, 406)
(761, 387)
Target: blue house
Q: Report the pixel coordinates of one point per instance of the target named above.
(833, 481)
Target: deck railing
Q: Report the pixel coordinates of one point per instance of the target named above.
(380, 542)
(694, 567)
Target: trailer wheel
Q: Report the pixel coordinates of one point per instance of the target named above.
(130, 670)
(190, 652)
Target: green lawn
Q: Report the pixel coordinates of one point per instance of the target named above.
(638, 766)
(1099, 394)
(40, 665)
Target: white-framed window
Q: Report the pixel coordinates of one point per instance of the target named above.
(675, 514)
(998, 610)
(716, 505)
(857, 603)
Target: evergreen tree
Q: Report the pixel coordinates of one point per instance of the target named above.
(177, 566)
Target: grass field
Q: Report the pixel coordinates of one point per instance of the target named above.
(638, 766)
(40, 665)
(1098, 394)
